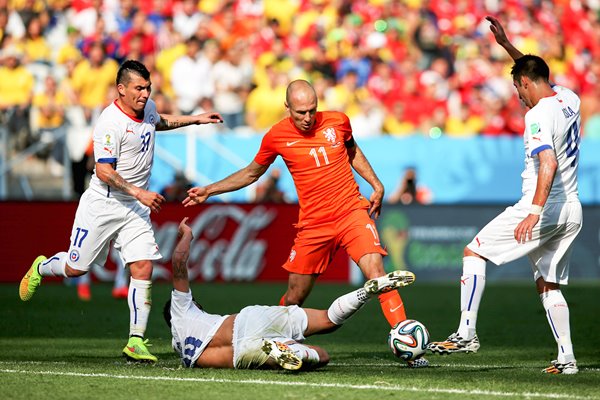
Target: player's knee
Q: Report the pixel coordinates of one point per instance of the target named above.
(371, 265)
(469, 253)
(141, 269)
(543, 286)
(294, 299)
(323, 356)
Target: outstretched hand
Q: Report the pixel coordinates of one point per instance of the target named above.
(184, 228)
(150, 199)
(209, 118)
(497, 30)
(196, 195)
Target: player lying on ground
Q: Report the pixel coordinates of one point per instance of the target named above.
(257, 336)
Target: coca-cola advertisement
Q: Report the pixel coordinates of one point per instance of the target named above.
(232, 242)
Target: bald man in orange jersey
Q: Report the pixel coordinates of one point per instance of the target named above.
(320, 152)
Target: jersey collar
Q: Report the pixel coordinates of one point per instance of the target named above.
(133, 117)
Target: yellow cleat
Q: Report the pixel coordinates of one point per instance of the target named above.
(31, 280)
(136, 350)
(391, 281)
(282, 354)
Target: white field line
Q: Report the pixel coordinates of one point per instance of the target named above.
(351, 365)
(448, 365)
(383, 386)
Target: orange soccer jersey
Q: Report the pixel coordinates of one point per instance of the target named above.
(319, 164)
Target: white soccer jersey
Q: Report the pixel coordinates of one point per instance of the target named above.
(554, 123)
(127, 143)
(192, 328)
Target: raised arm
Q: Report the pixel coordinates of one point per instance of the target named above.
(168, 122)
(181, 253)
(501, 38)
(107, 174)
(362, 166)
(235, 181)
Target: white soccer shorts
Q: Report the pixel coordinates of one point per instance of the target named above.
(550, 248)
(253, 323)
(99, 220)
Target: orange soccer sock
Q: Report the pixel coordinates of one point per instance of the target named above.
(392, 307)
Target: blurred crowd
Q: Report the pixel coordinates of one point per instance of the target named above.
(395, 67)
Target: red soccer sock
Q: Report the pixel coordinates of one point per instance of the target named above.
(392, 307)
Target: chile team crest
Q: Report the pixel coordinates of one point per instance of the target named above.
(74, 255)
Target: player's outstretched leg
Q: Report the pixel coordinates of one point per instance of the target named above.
(137, 350)
(31, 280)
(282, 354)
(391, 281)
(569, 368)
(455, 344)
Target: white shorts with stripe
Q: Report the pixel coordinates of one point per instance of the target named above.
(253, 323)
(549, 250)
(100, 220)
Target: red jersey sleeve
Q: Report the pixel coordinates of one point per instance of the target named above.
(345, 127)
(267, 153)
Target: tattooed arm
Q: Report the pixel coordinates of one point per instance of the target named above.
(546, 173)
(180, 257)
(107, 174)
(168, 122)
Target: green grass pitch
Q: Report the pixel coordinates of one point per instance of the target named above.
(56, 347)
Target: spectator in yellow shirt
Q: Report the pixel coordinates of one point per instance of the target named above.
(16, 90)
(395, 122)
(261, 113)
(93, 81)
(48, 110)
(464, 124)
(35, 46)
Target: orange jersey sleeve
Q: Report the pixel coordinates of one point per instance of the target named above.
(319, 164)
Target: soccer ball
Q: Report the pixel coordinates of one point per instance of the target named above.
(408, 340)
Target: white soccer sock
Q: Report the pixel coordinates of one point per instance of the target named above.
(140, 302)
(557, 312)
(472, 283)
(54, 266)
(307, 354)
(345, 306)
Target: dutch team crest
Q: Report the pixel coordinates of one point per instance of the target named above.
(329, 134)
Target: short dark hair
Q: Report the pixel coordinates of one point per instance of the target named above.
(131, 67)
(533, 67)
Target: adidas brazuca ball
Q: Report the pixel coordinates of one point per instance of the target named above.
(408, 340)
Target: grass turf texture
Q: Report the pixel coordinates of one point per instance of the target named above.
(56, 347)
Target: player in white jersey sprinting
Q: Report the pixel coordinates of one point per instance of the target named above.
(547, 219)
(257, 336)
(117, 204)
